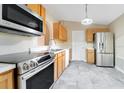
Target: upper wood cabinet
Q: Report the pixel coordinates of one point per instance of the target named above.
(59, 32)
(7, 80)
(35, 8)
(91, 31)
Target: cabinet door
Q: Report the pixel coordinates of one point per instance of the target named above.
(34, 8)
(65, 35)
(56, 68)
(63, 60)
(90, 57)
(6, 80)
(62, 33)
(60, 66)
(89, 36)
(55, 30)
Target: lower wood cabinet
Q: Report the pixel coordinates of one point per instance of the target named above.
(90, 56)
(7, 80)
(56, 68)
(59, 65)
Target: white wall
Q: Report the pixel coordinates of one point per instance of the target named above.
(117, 27)
(10, 43)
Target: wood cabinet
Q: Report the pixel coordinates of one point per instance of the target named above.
(59, 65)
(55, 68)
(90, 56)
(35, 8)
(59, 32)
(91, 31)
(63, 59)
(7, 80)
(62, 33)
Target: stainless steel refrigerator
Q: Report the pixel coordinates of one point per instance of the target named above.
(104, 46)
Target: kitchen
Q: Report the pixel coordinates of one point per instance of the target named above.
(46, 52)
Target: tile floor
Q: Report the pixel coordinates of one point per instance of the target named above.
(80, 75)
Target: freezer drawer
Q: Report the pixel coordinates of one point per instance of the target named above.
(105, 60)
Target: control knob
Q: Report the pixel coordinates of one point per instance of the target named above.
(25, 66)
(32, 64)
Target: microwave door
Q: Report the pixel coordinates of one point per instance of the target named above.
(18, 18)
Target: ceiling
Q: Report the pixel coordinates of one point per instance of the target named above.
(100, 13)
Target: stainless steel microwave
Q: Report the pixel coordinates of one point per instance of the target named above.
(18, 19)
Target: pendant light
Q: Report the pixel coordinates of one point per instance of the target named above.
(86, 20)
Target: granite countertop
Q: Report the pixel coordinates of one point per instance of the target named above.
(5, 67)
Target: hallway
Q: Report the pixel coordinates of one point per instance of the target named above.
(80, 75)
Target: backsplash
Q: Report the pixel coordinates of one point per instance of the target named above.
(10, 43)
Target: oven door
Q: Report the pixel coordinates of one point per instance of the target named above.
(41, 77)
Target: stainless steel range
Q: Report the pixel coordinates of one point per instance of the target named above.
(34, 70)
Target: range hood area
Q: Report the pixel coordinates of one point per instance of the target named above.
(18, 19)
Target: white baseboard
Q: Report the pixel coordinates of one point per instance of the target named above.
(119, 69)
(78, 60)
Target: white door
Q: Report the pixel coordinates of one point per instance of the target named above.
(78, 46)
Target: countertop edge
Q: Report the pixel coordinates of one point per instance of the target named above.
(6, 67)
(55, 52)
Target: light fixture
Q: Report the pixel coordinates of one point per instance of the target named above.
(86, 20)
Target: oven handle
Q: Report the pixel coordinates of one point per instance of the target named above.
(35, 71)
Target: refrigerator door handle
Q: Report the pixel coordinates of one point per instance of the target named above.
(102, 45)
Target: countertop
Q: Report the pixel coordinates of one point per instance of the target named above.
(58, 51)
(5, 67)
